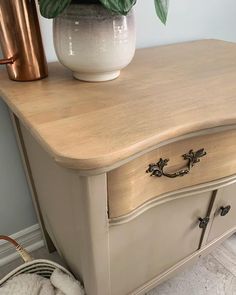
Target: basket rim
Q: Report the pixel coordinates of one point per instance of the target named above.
(14, 272)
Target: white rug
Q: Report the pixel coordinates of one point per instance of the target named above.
(214, 274)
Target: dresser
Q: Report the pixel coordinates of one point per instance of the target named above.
(133, 179)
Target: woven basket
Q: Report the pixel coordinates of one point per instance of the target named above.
(41, 267)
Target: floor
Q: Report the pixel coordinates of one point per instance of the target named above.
(214, 274)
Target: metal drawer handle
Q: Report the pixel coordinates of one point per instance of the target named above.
(192, 157)
(224, 210)
(203, 222)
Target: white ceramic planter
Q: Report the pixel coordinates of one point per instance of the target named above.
(94, 42)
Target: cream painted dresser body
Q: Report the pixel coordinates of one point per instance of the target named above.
(134, 178)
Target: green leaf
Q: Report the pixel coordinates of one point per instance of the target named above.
(162, 9)
(52, 8)
(119, 6)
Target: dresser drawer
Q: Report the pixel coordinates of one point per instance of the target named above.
(130, 186)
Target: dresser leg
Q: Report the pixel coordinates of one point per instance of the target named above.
(95, 258)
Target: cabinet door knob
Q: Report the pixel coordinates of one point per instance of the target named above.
(203, 222)
(224, 210)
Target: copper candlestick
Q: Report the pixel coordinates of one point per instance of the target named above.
(21, 40)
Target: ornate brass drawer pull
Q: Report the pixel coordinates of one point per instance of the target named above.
(157, 169)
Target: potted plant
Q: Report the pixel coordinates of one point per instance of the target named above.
(95, 38)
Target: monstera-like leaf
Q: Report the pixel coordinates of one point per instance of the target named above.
(119, 6)
(52, 8)
(162, 9)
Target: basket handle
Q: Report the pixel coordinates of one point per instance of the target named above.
(23, 253)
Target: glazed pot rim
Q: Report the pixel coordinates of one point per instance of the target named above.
(89, 10)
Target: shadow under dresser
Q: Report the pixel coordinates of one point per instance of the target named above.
(135, 178)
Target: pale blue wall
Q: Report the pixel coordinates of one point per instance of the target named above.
(187, 20)
(16, 210)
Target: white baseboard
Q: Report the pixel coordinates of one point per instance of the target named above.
(30, 238)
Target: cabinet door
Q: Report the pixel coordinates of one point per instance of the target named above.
(224, 212)
(151, 243)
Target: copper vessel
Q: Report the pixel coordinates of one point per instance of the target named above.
(21, 41)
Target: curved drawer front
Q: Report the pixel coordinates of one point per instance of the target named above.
(131, 185)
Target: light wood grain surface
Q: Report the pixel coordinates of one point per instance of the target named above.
(165, 92)
(129, 186)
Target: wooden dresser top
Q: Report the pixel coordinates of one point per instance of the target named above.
(166, 92)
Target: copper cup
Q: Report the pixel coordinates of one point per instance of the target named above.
(21, 40)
